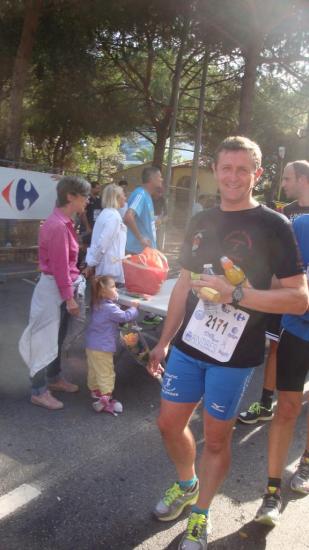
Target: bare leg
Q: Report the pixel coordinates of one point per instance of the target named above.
(307, 438)
(177, 436)
(281, 430)
(216, 457)
(254, 414)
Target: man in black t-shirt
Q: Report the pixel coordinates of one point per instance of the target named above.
(93, 207)
(87, 220)
(217, 346)
(295, 186)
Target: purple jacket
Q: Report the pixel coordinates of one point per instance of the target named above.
(102, 331)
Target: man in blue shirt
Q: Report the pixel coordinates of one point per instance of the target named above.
(140, 217)
(292, 368)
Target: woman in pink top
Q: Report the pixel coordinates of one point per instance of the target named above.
(53, 299)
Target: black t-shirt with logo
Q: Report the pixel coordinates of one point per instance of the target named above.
(258, 240)
(293, 210)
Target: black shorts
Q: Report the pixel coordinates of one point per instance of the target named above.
(273, 327)
(292, 362)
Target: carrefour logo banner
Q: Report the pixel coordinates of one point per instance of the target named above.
(26, 195)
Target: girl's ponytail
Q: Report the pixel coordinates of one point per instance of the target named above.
(98, 283)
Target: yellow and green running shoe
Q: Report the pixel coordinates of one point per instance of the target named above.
(195, 536)
(175, 500)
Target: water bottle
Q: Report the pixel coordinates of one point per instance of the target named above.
(206, 293)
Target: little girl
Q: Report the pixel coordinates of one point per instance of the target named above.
(101, 340)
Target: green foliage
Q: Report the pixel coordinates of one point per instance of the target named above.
(145, 154)
(97, 156)
(104, 68)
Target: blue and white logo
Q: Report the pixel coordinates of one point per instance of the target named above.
(20, 196)
(239, 316)
(199, 314)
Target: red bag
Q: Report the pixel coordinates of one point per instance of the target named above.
(145, 272)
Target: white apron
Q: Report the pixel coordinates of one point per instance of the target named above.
(38, 344)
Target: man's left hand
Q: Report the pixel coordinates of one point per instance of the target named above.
(217, 282)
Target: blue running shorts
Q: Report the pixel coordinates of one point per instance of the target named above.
(187, 380)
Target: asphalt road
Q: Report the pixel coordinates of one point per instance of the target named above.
(97, 477)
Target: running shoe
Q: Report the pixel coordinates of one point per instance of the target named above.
(270, 509)
(195, 536)
(300, 479)
(175, 500)
(152, 320)
(255, 413)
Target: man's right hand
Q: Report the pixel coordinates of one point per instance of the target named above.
(145, 242)
(72, 307)
(156, 357)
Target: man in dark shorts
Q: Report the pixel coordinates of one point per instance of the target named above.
(292, 368)
(217, 346)
(296, 186)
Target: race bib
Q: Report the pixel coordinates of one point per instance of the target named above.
(215, 330)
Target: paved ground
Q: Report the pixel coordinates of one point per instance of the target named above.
(97, 476)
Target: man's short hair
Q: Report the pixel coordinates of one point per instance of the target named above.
(240, 143)
(301, 168)
(123, 183)
(148, 172)
(94, 184)
(72, 185)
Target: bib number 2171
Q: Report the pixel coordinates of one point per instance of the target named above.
(215, 332)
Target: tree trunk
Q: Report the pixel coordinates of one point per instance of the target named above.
(252, 59)
(33, 10)
(159, 148)
(198, 136)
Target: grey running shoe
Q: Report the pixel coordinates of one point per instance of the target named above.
(255, 413)
(195, 536)
(175, 500)
(300, 480)
(270, 509)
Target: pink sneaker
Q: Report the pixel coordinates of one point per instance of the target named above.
(107, 404)
(47, 400)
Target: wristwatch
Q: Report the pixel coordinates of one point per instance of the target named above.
(237, 295)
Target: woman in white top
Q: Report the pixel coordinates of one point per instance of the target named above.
(109, 236)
